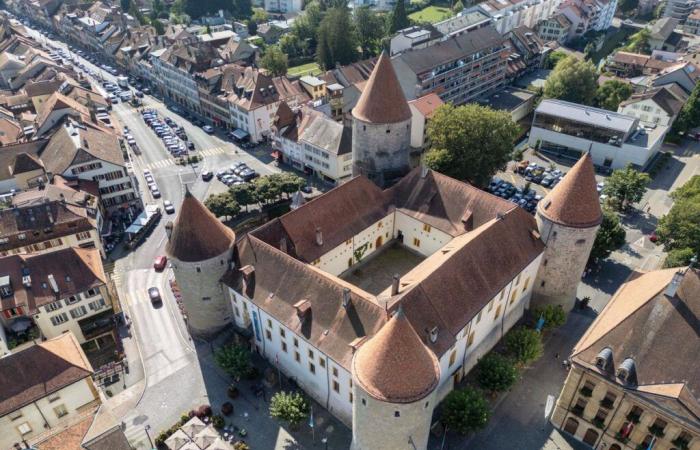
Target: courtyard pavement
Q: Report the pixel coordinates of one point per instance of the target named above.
(375, 274)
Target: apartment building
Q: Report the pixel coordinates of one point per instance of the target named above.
(313, 142)
(692, 23)
(630, 390)
(658, 106)
(80, 150)
(283, 6)
(422, 110)
(680, 9)
(509, 14)
(458, 69)
(43, 388)
(555, 28)
(588, 15)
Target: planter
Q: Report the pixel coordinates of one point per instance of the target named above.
(232, 392)
(227, 409)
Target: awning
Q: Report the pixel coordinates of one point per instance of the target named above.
(240, 134)
(276, 154)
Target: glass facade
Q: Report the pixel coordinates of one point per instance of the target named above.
(577, 129)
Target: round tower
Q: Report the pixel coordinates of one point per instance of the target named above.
(568, 219)
(395, 377)
(200, 249)
(381, 127)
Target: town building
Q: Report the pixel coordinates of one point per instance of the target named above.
(679, 9)
(633, 381)
(556, 28)
(588, 15)
(459, 69)
(510, 14)
(422, 110)
(42, 388)
(519, 103)
(613, 140)
(283, 6)
(692, 23)
(659, 106)
(662, 35)
(313, 142)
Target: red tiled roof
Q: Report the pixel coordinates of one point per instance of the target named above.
(382, 100)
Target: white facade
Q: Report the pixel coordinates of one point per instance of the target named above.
(3, 343)
(647, 111)
(60, 406)
(255, 122)
(525, 13)
(176, 84)
(283, 6)
(116, 184)
(83, 239)
(62, 316)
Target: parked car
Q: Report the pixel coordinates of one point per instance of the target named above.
(160, 263)
(207, 176)
(208, 129)
(154, 295)
(168, 207)
(155, 193)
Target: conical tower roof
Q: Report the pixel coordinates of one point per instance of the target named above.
(574, 202)
(395, 366)
(197, 235)
(382, 100)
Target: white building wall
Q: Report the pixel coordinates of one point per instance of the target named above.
(417, 128)
(83, 300)
(35, 414)
(647, 111)
(99, 174)
(66, 241)
(418, 236)
(3, 342)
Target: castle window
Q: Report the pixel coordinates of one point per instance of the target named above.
(364, 402)
(282, 333)
(198, 269)
(297, 357)
(311, 354)
(268, 335)
(388, 131)
(542, 284)
(336, 386)
(545, 262)
(335, 371)
(364, 127)
(206, 299)
(322, 362)
(269, 323)
(426, 405)
(350, 397)
(312, 368)
(580, 242)
(238, 313)
(284, 346)
(296, 342)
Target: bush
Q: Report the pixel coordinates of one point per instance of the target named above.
(465, 410)
(234, 360)
(291, 407)
(218, 422)
(203, 411)
(554, 316)
(240, 445)
(496, 372)
(678, 257)
(524, 344)
(227, 408)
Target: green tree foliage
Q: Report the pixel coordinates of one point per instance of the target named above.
(639, 42)
(222, 205)
(458, 137)
(626, 186)
(370, 30)
(259, 15)
(337, 40)
(679, 258)
(290, 407)
(306, 25)
(689, 116)
(275, 61)
(458, 7)
(496, 373)
(289, 183)
(679, 230)
(125, 4)
(553, 59)
(465, 410)
(610, 236)
(554, 316)
(268, 189)
(627, 5)
(234, 360)
(244, 194)
(611, 93)
(572, 80)
(159, 27)
(398, 19)
(242, 9)
(524, 344)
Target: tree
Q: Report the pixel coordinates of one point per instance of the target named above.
(159, 27)
(222, 205)
(370, 30)
(290, 183)
(337, 40)
(459, 135)
(290, 407)
(242, 9)
(626, 186)
(639, 42)
(125, 4)
(628, 5)
(572, 80)
(524, 344)
(234, 360)
(679, 257)
(679, 230)
(268, 189)
(553, 59)
(611, 93)
(689, 117)
(458, 7)
(554, 316)
(465, 410)
(610, 236)
(244, 194)
(275, 61)
(259, 15)
(496, 372)
(398, 19)
(306, 25)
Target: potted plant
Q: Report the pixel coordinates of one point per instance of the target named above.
(227, 408)
(232, 391)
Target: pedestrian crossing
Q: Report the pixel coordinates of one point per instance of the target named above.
(167, 162)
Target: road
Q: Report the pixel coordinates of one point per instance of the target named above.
(168, 355)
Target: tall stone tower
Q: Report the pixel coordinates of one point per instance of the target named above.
(395, 377)
(200, 248)
(568, 219)
(381, 127)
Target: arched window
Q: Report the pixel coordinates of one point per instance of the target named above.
(571, 425)
(615, 447)
(590, 437)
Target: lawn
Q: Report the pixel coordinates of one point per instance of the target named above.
(305, 69)
(431, 14)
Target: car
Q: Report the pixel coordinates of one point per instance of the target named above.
(149, 179)
(249, 175)
(155, 193)
(168, 206)
(306, 189)
(222, 173)
(146, 91)
(138, 94)
(207, 176)
(208, 129)
(653, 237)
(547, 181)
(160, 262)
(154, 295)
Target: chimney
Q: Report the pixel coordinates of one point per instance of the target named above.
(346, 298)
(674, 284)
(433, 335)
(319, 237)
(395, 285)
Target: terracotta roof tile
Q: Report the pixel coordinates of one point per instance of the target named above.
(382, 99)
(394, 365)
(197, 234)
(574, 202)
(428, 104)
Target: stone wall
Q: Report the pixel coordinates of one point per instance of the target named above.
(381, 152)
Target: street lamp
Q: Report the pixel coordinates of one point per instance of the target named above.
(146, 428)
(324, 441)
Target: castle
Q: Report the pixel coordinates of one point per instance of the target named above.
(378, 301)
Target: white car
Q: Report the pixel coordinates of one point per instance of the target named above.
(168, 206)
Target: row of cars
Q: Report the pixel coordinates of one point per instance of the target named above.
(155, 192)
(525, 198)
(238, 173)
(173, 136)
(535, 173)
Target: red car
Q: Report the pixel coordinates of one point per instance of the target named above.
(160, 262)
(653, 237)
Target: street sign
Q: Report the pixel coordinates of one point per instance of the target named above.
(549, 406)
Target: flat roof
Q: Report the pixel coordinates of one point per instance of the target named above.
(507, 99)
(311, 81)
(586, 114)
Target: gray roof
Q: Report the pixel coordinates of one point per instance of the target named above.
(424, 59)
(663, 28)
(586, 114)
(323, 132)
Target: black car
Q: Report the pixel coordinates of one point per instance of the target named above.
(154, 295)
(207, 176)
(190, 145)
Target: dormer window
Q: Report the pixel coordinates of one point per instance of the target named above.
(5, 287)
(626, 371)
(604, 358)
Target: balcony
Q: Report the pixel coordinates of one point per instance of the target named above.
(634, 418)
(621, 438)
(657, 431)
(598, 422)
(681, 443)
